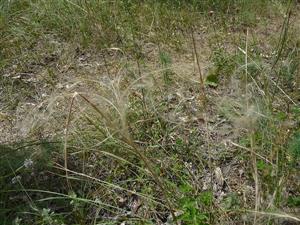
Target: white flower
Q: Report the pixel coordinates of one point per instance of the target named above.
(28, 163)
(15, 179)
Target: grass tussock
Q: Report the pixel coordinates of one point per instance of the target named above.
(149, 112)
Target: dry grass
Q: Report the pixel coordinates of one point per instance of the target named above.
(126, 117)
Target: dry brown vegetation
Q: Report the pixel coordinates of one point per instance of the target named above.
(151, 112)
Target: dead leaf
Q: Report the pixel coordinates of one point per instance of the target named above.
(219, 176)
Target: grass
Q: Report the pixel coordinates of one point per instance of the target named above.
(149, 112)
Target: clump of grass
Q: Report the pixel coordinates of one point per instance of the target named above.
(141, 147)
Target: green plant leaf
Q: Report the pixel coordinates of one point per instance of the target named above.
(212, 80)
